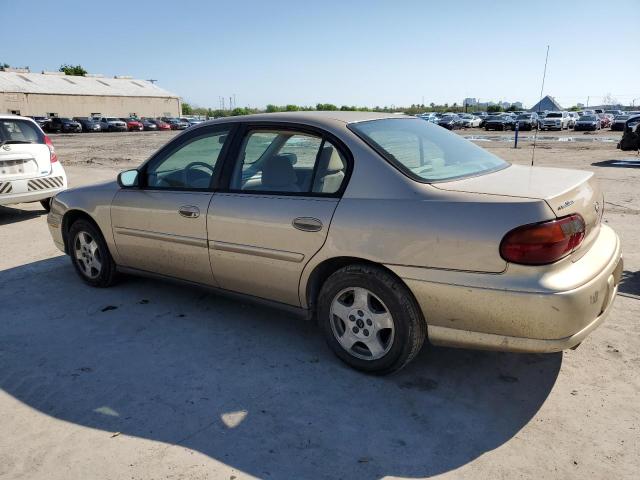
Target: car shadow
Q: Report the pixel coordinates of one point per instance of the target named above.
(622, 163)
(249, 386)
(630, 283)
(9, 215)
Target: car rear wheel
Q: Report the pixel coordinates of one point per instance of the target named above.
(370, 319)
(90, 255)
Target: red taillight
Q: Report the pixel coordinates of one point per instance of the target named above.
(52, 151)
(543, 243)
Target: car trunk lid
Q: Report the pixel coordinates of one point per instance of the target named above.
(565, 191)
(20, 161)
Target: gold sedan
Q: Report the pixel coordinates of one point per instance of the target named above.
(387, 230)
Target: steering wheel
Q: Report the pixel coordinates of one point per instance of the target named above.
(191, 166)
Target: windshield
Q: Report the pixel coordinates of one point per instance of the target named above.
(426, 152)
(588, 118)
(554, 115)
(19, 131)
(113, 119)
(524, 117)
(622, 117)
(66, 120)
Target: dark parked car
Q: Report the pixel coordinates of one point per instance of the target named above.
(588, 122)
(63, 125)
(618, 123)
(43, 122)
(631, 136)
(527, 121)
(148, 125)
(450, 122)
(88, 124)
(500, 122)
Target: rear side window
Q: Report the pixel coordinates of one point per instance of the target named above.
(19, 131)
(426, 152)
(288, 162)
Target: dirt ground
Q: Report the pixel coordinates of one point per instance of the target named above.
(154, 380)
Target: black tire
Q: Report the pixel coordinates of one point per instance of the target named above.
(46, 204)
(409, 326)
(106, 275)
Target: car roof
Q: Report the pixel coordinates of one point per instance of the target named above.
(324, 118)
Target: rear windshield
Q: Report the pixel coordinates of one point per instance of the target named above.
(424, 151)
(19, 131)
(588, 118)
(554, 115)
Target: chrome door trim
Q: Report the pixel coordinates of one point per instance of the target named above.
(165, 237)
(256, 251)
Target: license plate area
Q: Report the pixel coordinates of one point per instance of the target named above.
(18, 167)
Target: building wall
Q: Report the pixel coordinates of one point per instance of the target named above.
(86, 105)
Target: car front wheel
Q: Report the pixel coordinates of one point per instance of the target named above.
(90, 255)
(370, 319)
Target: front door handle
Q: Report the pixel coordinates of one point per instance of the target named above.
(307, 224)
(189, 211)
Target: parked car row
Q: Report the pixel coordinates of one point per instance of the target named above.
(112, 124)
(562, 120)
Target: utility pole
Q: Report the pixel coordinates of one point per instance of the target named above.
(234, 101)
(588, 101)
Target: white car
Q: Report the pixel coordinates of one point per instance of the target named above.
(555, 121)
(29, 167)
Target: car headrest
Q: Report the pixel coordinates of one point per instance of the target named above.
(277, 171)
(330, 161)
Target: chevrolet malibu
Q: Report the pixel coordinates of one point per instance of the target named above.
(389, 231)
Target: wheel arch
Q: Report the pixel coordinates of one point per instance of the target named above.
(69, 218)
(327, 267)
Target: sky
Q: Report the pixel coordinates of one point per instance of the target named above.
(365, 53)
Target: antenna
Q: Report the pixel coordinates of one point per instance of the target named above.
(535, 136)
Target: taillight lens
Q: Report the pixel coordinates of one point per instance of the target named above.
(52, 151)
(543, 243)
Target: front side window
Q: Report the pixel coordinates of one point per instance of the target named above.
(426, 152)
(288, 162)
(191, 165)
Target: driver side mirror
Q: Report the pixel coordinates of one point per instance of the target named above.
(128, 179)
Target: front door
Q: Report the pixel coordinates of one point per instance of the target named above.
(282, 191)
(161, 226)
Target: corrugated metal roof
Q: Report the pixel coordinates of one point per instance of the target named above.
(15, 82)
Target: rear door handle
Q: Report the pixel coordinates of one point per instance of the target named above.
(307, 224)
(189, 211)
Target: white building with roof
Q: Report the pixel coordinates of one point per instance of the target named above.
(56, 94)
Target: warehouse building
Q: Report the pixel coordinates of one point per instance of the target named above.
(54, 94)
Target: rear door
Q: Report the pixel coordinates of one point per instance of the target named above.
(23, 152)
(161, 226)
(281, 192)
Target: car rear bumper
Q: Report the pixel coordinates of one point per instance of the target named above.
(33, 189)
(527, 309)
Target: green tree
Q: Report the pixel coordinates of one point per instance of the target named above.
(272, 108)
(292, 108)
(76, 70)
(494, 108)
(186, 109)
(326, 107)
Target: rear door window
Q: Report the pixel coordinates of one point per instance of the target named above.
(19, 131)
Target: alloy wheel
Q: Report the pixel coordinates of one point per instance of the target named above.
(362, 323)
(87, 255)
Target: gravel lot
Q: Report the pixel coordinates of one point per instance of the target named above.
(154, 380)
